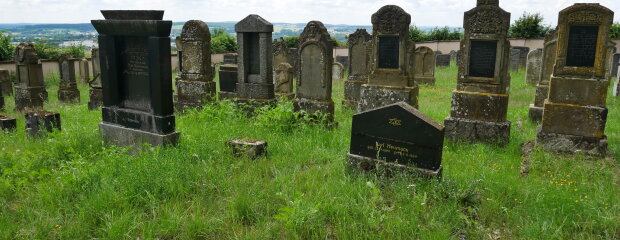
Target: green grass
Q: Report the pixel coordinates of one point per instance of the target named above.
(70, 185)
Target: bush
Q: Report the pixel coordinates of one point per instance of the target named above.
(46, 51)
(291, 41)
(6, 49)
(614, 32)
(222, 42)
(529, 26)
(436, 34)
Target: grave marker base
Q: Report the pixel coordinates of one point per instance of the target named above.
(69, 96)
(228, 95)
(535, 114)
(96, 99)
(374, 96)
(7, 123)
(425, 80)
(352, 92)
(122, 136)
(357, 162)
(466, 130)
(29, 98)
(193, 94)
(312, 106)
(563, 143)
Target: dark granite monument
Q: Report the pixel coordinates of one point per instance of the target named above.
(534, 64)
(314, 86)
(575, 113)
(396, 137)
(136, 75)
(391, 72)
(96, 90)
(442, 60)
(195, 85)
(424, 66)
(228, 77)
(255, 74)
(358, 44)
(615, 63)
(67, 91)
(547, 63)
(283, 69)
(6, 83)
(30, 93)
(480, 101)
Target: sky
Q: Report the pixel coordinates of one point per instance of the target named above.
(350, 12)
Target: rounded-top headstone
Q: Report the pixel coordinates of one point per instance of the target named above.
(391, 18)
(253, 23)
(133, 14)
(195, 30)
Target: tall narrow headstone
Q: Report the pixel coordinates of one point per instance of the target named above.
(337, 71)
(228, 77)
(195, 85)
(396, 137)
(179, 43)
(136, 75)
(453, 55)
(96, 90)
(67, 91)
(615, 63)
(84, 70)
(391, 72)
(518, 58)
(30, 90)
(480, 101)
(314, 86)
(534, 64)
(6, 83)
(575, 113)
(424, 66)
(358, 43)
(542, 88)
(255, 79)
(616, 88)
(283, 69)
(442, 60)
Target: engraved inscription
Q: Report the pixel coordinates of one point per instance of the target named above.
(388, 52)
(395, 122)
(581, 50)
(387, 148)
(482, 58)
(135, 84)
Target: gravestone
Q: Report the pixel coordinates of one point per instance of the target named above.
(314, 85)
(616, 89)
(442, 60)
(542, 88)
(424, 66)
(84, 70)
(453, 55)
(96, 90)
(534, 64)
(30, 90)
(255, 74)
(480, 101)
(392, 59)
(337, 71)
(195, 85)
(283, 78)
(6, 83)
(294, 61)
(228, 77)
(343, 60)
(136, 76)
(179, 43)
(575, 112)
(615, 64)
(40, 122)
(67, 91)
(358, 44)
(518, 58)
(396, 137)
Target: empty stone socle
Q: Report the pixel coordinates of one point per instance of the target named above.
(228, 77)
(7, 123)
(39, 122)
(249, 148)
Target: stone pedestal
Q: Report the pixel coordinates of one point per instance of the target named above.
(7, 123)
(389, 168)
(377, 96)
(30, 90)
(37, 123)
(5, 83)
(352, 91)
(69, 95)
(228, 81)
(123, 136)
(29, 98)
(249, 148)
(313, 106)
(193, 94)
(96, 99)
(460, 129)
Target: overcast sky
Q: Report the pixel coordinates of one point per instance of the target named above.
(351, 12)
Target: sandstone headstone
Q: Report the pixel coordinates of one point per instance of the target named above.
(442, 60)
(358, 44)
(294, 61)
(615, 64)
(96, 90)
(337, 71)
(534, 64)
(195, 85)
(30, 90)
(136, 78)
(39, 122)
(391, 68)
(480, 101)
(518, 58)
(255, 79)
(67, 91)
(6, 83)
(228, 77)
(396, 137)
(283, 78)
(453, 55)
(424, 66)
(343, 60)
(84, 70)
(314, 86)
(575, 112)
(542, 88)
(616, 90)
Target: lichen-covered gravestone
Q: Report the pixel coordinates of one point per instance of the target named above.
(67, 91)
(179, 44)
(136, 75)
(255, 79)
(314, 86)
(84, 70)
(442, 60)
(358, 43)
(396, 137)
(30, 93)
(480, 101)
(424, 65)
(575, 113)
(534, 64)
(228, 77)
(391, 72)
(283, 78)
(547, 63)
(337, 71)
(518, 58)
(96, 90)
(195, 85)
(6, 83)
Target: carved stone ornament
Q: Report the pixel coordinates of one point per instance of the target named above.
(391, 19)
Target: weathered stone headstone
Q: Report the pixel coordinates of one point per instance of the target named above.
(343, 60)
(6, 83)
(136, 75)
(424, 66)
(534, 64)
(7, 123)
(67, 91)
(337, 71)
(84, 70)
(228, 77)
(39, 122)
(179, 53)
(453, 55)
(575, 114)
(96, 90)
(615, 63)
(195, 85)
(255, 79)
(392, 54)
(547, 63)
(442, 60)
(283, 78)
(295, 61)
(358, 44)
(480, 101)
(314, 86)
(396, 137)
(1, 99)
(30, 90)
(518, 58)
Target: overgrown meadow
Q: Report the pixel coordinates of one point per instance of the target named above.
(69, 185)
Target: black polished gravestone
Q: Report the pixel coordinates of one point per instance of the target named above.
(581, 49)
(397, 137)
(388, 52)
(482, 64)
(136, 76)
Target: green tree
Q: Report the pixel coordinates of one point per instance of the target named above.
(291, 41)
(614, 32)
(76, 51)
(529, 26)
(222, 42)
(416, 34)
(443, 34)
(6, 48)
(45, 50)
(338, 43)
